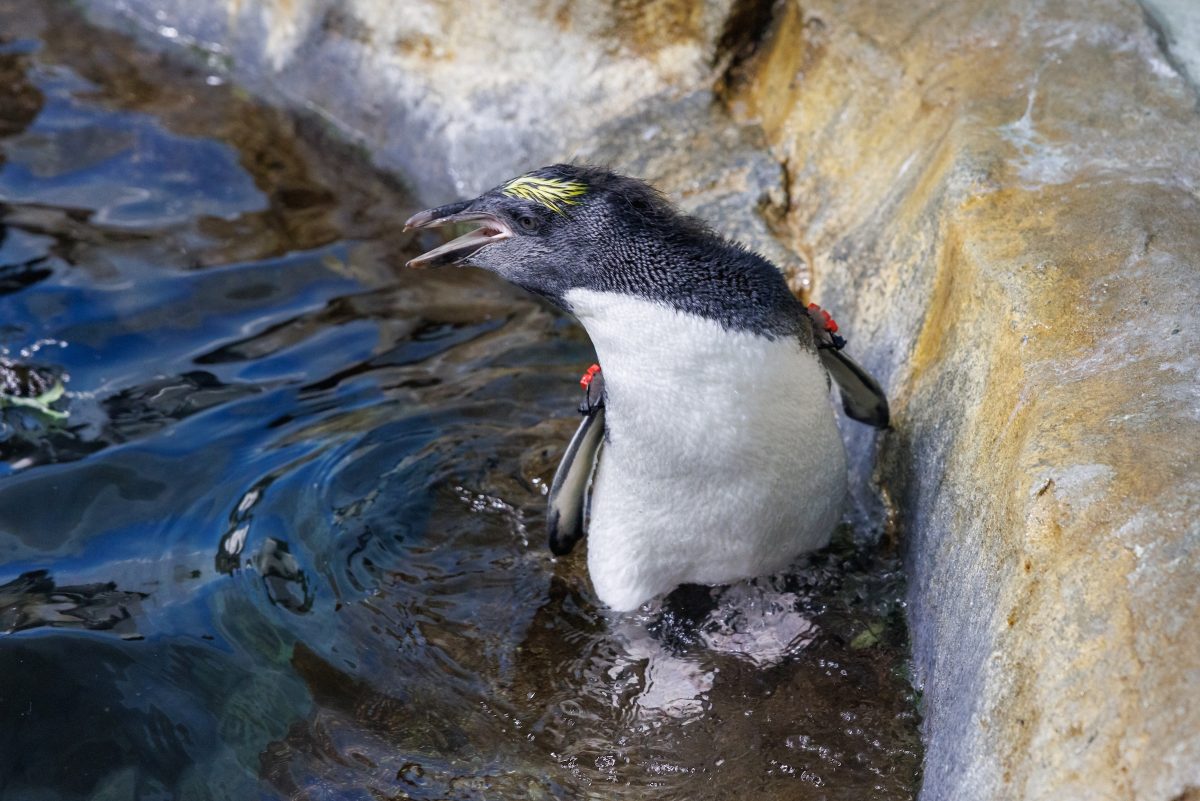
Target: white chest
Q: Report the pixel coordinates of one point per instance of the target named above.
(722, 459)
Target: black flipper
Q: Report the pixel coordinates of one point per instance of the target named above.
(862, 397)
(568, 492)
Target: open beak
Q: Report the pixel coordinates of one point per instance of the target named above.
(492, 229)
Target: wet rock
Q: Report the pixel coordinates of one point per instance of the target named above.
(1001, 203)
(624, 83)
(1003, 207)
(455, 96)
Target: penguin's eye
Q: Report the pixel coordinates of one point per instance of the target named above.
(527, 223)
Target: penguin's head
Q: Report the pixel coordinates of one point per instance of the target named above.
(555, 229)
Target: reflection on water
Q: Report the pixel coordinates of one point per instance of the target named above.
(32, 600)
(282, 537)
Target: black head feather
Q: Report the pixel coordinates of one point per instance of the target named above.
(619, 234)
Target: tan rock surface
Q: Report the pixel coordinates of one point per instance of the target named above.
(1004, 202)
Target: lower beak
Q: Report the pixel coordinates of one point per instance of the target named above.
(492, 229)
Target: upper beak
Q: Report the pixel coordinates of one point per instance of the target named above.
(493, 229)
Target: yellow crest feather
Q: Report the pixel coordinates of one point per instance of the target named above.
(553, 193)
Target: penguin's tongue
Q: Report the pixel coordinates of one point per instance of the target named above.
(492, 229)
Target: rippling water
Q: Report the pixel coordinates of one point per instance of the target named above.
(282, 537)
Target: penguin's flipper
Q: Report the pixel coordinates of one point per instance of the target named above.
(862, 397)
(568, 492)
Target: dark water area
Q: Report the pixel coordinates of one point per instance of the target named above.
(272, 507)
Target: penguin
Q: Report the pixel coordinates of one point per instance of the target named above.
(709, 441)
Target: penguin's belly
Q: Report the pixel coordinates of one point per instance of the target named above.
(722, 459)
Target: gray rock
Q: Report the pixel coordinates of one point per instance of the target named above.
(456, 97)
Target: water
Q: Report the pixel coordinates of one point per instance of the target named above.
(283, 535)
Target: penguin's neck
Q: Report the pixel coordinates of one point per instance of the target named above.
(663, 367)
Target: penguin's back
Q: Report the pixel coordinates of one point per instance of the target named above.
(722, 459)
